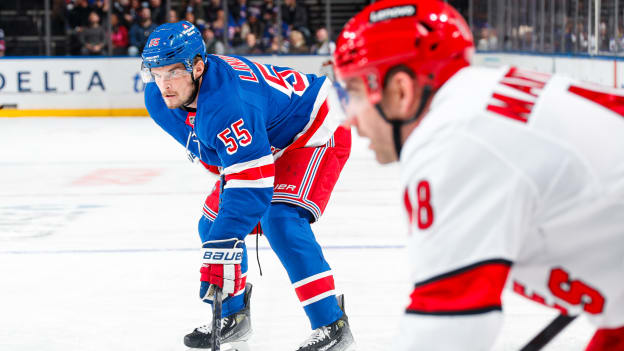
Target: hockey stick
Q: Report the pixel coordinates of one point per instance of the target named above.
(548, 333)
(216, 320)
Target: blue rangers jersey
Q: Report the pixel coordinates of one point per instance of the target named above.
(247, 115)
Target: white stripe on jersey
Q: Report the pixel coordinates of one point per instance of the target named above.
(258, 183)
(318, 297)
(239, 167)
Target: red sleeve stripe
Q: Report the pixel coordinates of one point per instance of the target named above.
(472, 289)
(255, 173)
(607, 339)
(210, 168)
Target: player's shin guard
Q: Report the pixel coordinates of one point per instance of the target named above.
(288, 230)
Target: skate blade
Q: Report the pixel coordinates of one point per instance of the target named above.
(231, 346)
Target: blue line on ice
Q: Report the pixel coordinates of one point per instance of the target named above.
(55, 252)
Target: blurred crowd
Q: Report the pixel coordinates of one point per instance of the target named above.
(2, 43)
(247, 28)
(570, 39)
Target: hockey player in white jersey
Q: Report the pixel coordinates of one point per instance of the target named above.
(510, 177)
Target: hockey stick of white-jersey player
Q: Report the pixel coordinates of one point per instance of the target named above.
(216, 320)
(548, 333)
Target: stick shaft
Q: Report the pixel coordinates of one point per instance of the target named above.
(548, 333)
(216, 320)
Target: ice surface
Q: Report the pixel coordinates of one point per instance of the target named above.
(99, 249)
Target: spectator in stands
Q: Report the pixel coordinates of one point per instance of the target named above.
(238, 15)
(483, 43)
(569, 39)
(135, 11)
(218, 25)
(196, 7)
(78, 15)
(213, 46)
(267, 10)
(276, 46)
(606, 43)
(124, 12)
(93, 37)
(211, 10)
(254, 25)
(297, 43)
(295, 16)
(2, 43)
(101, 7)
(323, 45)
(250, 46)
(190, 17)
(271, 29)
(234, 35)
(140, 31)
(119, 36)
(173, 16)
(158, 11)
(487, 39)
(581, 36)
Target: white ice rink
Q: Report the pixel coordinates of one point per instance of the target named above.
(99, 248)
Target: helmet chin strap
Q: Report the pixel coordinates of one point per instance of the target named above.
(398, 124)
(195, 90)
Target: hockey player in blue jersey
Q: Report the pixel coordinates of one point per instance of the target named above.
(278, 147)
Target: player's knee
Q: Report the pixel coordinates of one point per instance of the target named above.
(280, 217)
(287, 226)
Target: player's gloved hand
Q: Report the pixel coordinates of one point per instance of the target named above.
(221, 266)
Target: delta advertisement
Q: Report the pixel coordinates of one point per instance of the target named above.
(84, 87)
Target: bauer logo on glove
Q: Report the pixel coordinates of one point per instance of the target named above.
(231, 256)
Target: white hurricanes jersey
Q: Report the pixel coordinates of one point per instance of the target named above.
(515, 179)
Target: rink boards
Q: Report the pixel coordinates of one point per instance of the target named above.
(91, 87)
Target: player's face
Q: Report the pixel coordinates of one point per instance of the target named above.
(368, 122)
(175, 84)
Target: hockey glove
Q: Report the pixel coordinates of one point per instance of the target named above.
(221, 267)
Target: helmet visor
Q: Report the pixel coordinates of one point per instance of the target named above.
(149, 76)
(146, 74)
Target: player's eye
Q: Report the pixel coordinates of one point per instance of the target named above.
(178, 73)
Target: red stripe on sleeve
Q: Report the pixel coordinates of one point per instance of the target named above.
(473, 288)
(254, 173)
(607, 339)
(318, 121)
(315, 287)
(211, 168)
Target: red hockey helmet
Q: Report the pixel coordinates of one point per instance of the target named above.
(428, 36)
